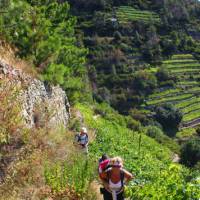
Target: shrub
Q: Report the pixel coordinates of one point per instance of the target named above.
(133, 124)
(163, 74)
(154, 132)
(137, 115)
(144, 82)
(169, 83)
(190, 152)
(117, 36)
(198, 131)
(171, 184)
(158, 135)
(168, 116)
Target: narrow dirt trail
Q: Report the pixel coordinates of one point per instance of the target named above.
(95, 185)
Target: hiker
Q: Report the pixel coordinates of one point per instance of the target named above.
(104, 163)
(114, 179)
(82, 139)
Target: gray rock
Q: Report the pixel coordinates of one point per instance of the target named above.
(40, 106)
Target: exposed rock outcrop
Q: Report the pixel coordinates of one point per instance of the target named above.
(41, 103)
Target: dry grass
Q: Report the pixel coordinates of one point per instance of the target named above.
(25, 164)
(25, 178)
(8, 56)
(41, 145)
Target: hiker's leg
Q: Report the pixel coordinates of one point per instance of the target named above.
(85, 150)
(120, 196)
(106, 195)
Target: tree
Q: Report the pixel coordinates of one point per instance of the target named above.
(43, 31)
(190, 152)
(168, 116)
(144, 82)
(163, 74)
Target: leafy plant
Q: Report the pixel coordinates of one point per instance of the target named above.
(76, 174)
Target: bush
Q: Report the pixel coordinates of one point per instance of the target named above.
(163, 74)
(144, 82)
(198, 131)
(171, 184)
(190, 152)
(133, 124)
(158, 135)
(169, 83)
(138, 115)
(168, 116)
(154, 132)
(117, 36)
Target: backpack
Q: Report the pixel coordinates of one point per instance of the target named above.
(103, 165)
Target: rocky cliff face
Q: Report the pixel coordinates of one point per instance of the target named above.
(42, 104)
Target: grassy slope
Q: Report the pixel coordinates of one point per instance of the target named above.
(150, 163)
(115, 139)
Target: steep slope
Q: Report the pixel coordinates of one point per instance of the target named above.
(148, 160)
(185, 93)
(123, 37)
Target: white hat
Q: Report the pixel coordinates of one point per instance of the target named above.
(84, 130)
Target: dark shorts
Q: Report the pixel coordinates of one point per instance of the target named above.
(108, 196)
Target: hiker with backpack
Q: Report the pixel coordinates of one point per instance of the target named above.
(114, 179)
(82, 139)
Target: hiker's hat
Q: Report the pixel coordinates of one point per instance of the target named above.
(84, 130)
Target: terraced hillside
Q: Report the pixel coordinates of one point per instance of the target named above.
(186, 94)
(127, 14)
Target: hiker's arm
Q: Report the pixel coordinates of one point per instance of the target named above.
(128, 175)
(103, 177)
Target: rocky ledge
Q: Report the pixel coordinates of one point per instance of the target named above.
(42, 104)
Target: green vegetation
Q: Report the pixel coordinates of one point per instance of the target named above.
(77, 175)
(186, 133)
(195, 114)
(46, 37)
(190, 152)
(169, 99)
(160, 137)
(185, 94)
(143, 156)
(126, 54)
(126, 14)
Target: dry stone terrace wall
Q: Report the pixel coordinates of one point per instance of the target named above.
(41, 102)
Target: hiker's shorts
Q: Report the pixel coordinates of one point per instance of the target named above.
(108, 196)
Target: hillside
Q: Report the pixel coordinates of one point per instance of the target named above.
(128, 71)
(129, 40)
(184, 68)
